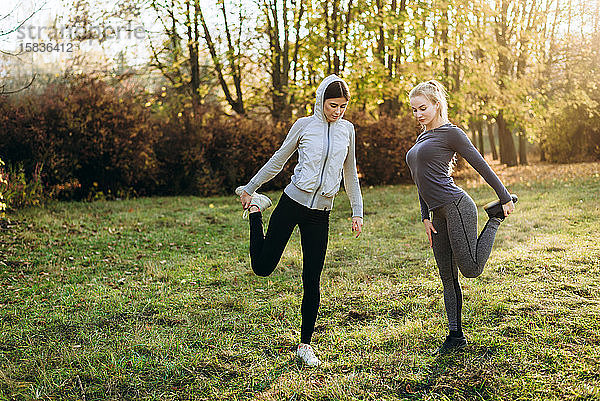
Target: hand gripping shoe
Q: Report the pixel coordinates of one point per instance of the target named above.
(494, 208)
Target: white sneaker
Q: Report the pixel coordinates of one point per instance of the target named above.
(262, 202)
(306, 354)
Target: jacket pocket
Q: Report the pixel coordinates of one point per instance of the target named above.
(310, 157)
(300, 182)
(336, 166)
(332, 185)
(308, 175)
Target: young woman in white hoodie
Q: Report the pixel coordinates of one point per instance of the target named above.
(325, 143)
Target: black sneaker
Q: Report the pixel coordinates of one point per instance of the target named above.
(494, 208)
(451, 344)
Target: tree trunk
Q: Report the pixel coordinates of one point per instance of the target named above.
(508, 152)
(327, 38)
(280, 55)
(480, 137)
(389, 53)
(522, 148)
(381, 36)
(473, 128)
(334, 36)
(501, 145)
(346, 27)
(444, 44)
(236, 104)
(542, 151)
(492, 139)
(193, 38)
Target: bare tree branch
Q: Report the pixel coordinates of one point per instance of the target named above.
(237, 104)
(22, 22)
(5, 92)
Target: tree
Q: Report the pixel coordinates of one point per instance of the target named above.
(490, 127)
(170, 58)
(389, 50)
(282, 54)
(568, 130)
(503, 30)
(9, 31)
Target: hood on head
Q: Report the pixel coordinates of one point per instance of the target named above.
(318, 110)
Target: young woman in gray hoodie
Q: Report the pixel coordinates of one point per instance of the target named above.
(453, 232)
(325, 143)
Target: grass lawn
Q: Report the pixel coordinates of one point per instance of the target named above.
(154, 299)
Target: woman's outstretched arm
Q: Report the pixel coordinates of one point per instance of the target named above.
(462, 145)
(274, 165)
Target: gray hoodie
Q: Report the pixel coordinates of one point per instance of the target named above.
(325, 151)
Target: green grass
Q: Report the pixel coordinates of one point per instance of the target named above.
(154, 299)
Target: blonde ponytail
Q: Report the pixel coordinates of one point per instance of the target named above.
(435, 92)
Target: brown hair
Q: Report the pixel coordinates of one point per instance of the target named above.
(336, 89)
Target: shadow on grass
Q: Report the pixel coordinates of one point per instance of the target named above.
(463, 374)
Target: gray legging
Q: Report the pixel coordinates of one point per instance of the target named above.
(456, 245)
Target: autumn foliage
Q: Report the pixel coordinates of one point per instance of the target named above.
(207, 153)
(91, 138)
(381, 147)
(99, 140)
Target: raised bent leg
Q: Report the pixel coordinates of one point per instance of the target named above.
(471, 252)
(266, 251)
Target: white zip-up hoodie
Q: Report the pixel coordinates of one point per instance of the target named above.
(325, 150)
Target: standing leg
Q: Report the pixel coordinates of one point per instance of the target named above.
(448, 273)
(314, 231)
(471, 251)
(265, 251)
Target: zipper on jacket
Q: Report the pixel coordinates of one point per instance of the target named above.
(323, 170)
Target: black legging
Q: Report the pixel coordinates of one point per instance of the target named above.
(265, 251)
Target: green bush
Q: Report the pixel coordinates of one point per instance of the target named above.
(3, 183)
(17, 190)
(572, 132)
